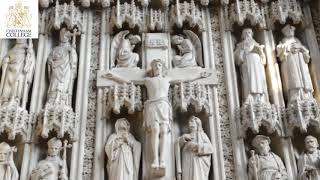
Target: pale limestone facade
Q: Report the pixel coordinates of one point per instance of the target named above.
(179, 74)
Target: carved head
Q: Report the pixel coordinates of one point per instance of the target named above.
(5, 152)
(262, 144)
(311, 143)
(65, 35)
(158, 67)
(195, 124)
(288, 30)
(177, 39)
(122, 126)
(247, 33)
(54, 146)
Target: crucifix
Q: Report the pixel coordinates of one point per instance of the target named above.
(157, 110)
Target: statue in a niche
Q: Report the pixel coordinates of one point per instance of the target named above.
(189, 50)
(17, 72)
(294, 58)
(193, 153)
(8, 170)
(53, 167)
(157, 109)
(62, 69)
(309, 161)
(265, 165)
(123, 152)
(249, 56)
(122, 55)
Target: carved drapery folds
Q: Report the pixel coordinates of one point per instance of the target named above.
(118, 96)
(17, 75)
(197, 95)
(186, 12)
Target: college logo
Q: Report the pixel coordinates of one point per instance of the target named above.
(19, 19)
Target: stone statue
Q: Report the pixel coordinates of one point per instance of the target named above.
(62, 69)
(8, 170)
(190, 51)
(249, 56)
(53, 167)
(17, 72)
(265, 165)
(294, 58)
(122, 55)
(123, 152)
(157, 109)
(194, 162)
(309, 161)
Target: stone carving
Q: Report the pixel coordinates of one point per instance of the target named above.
(129, 13)
(256, 109)
(282, 10)
(265, 165)
(53, 167)
(123, 152)
(65, 14)
(157, 20)
(240, 11)
(128, 95)
(62, 69)
(17, 74)
(196, 94)
(194, 162)
(309, 161)
(189, 50)
(122, 55)
(157, 109)
(8, 170)
(250, 57)
(294, 58)
(187, 13)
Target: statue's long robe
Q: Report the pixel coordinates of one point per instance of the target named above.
(123, 162)
(313, 160)
(48, 169)
(195, 165)
(251, 62)
(8, 172)
(294, 66)
(267, 166)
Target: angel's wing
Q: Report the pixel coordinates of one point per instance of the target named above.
(197, 46)
(115, 45)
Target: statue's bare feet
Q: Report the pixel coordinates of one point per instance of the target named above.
(162, 164)
(154, 165)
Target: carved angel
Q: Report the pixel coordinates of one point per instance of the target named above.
(189, 48)
(122, 55)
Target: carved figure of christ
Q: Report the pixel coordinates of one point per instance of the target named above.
(157, 109)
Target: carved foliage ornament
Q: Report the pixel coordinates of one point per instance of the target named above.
(282, 10)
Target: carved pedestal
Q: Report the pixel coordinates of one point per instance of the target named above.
(303, 113)
(14, 120)
(58, 118)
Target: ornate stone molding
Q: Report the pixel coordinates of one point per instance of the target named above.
(253, 116)
(129, 13)
(301, 114)
(187, 13)
(282, 10)
(157, 20)
(244, 10)
(127, 95)
(58, 118)
(67, 14)
(186, 94)
(14, 120)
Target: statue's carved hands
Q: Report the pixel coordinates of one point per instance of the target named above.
(193, 146)
(253, 163)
